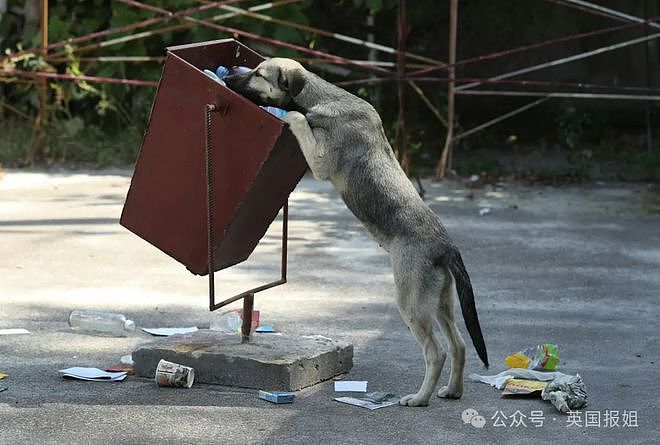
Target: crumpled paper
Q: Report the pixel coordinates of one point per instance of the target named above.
(566, 393)
(499, 380)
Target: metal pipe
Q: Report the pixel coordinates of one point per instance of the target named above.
(252, 36)
(208, 110)
(38, 133)
(500, 118)
(547, 83)
(451, 72)
(248, 306)
(404, 158)
(612, 13)
(14, 109)
(39, 75)
(144, 34)
(334, 35)
(427, 102)
(557, 62)
(128, 27)
(543, 44)
(285, 238)
(551, 94)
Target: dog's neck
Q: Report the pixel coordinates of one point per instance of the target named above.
(314, 91)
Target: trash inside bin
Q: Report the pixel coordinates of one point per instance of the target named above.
(255, 159)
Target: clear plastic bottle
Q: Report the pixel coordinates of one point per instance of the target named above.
(228, 322)
(103, 322)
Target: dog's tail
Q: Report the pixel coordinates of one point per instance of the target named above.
(466, 298)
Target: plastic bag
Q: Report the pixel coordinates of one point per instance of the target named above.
(543, 357)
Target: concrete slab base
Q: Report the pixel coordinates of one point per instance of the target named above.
(280, 362)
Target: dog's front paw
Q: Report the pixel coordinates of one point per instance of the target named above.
(450, 393)
(414, 400)
(294, 118)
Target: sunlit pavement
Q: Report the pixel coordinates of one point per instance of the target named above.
(578, 266)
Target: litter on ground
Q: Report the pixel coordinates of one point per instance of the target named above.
(350, 386)
(565, 392)
(499, 380)
(521, 387)
(372, 400)
(166, 332)
(92, 374)
(278, 397)
(544, 357)
(14, 331)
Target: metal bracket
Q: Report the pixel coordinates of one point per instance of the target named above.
(247, 296)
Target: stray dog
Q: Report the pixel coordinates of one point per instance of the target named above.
(342, 139)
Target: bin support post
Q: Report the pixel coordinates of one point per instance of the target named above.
(246, 329)
(247, 296)
(208, 109)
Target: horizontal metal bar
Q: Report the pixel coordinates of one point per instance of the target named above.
(247, 292)
(561, 61)
(613, 12)
(550, 94)
(500, 118)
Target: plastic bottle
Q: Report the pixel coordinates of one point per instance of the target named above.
(103, 322)
(277, 112)
(228, 322)
(213, 76)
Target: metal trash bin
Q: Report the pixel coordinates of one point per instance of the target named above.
(256, 163)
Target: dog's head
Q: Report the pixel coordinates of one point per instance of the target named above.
(274, 82)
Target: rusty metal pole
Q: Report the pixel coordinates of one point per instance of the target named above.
(39, 126)
(248, 306)
(451, 74)
(208, 109)
(402, 152)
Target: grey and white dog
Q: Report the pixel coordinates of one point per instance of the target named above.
(342, 139)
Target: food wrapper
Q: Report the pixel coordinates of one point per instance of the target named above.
(521, 387)
(544, 357)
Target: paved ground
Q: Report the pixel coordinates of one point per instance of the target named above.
(579, 266)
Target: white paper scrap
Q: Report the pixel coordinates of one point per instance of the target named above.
(14, 331)
(165, 332)
(366, 403)
(350, 386)
(499, 380)
(92, 374)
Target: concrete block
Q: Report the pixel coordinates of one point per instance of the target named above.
(279, 362)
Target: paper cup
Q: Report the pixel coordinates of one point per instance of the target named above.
(173, 374)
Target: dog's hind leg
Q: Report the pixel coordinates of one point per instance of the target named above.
(312, 148)
(455, 343)
(413, 303)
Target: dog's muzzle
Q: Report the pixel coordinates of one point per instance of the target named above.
(238, 82)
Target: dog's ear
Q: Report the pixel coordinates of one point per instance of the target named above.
(291, 80)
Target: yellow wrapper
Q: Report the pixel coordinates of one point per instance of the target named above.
(517, 360)
(517, 387)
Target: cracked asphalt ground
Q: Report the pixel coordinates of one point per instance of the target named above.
(577, 265)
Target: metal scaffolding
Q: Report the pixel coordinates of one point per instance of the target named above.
(407, 70)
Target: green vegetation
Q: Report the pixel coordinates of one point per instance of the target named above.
(102, 124)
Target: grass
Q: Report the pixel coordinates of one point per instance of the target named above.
(66, 143)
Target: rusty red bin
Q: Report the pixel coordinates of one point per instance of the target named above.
(255, 160)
